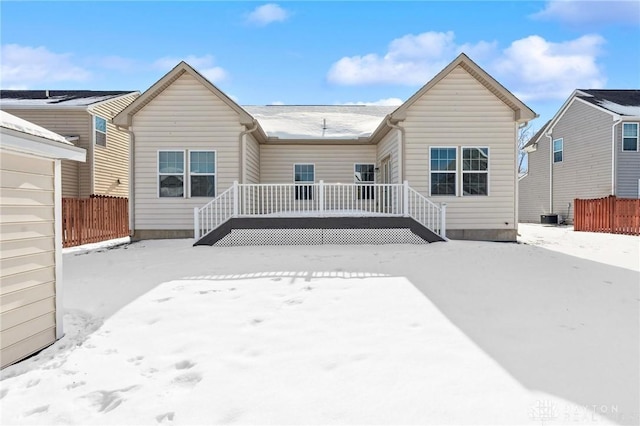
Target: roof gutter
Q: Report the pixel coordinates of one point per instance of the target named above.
(242, 142)
(132, 193)
(401, 131)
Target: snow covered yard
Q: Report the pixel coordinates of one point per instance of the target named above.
(160, 332)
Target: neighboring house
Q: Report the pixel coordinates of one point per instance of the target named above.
(84, 118)
(589, 149)
(31, 241)
(454, 141)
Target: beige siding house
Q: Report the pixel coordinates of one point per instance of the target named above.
(453, 143)
(84, 118)
(589, 149)
(30, 239)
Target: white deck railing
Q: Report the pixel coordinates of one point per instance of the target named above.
(318, 200)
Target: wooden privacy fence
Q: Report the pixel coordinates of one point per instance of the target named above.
(90, 220)
(610, 214)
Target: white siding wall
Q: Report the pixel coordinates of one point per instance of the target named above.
(186, 115)
(27, 256)
(76, 177)
(459, 111)
(585, 171)
(627, 169)
(253, 160)
(111, 163)
(333, 163)
(388, 147)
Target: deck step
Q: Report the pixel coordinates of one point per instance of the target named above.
(320, 230)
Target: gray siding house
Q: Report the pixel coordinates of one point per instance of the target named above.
(589, 149)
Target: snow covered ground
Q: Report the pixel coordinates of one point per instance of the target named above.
(160, 332)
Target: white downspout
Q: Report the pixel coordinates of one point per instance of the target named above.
(59, 282)
(401, 142)
(550, 172)
(242, 142)
(613, 155)
(132, 196)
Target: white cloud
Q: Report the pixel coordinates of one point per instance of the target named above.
(410, 60)
(381, 102)
(25, 66)
(267, 14)
(578, 12)
(203, 64)
(277, 103)
(539, 69)
(532, 67)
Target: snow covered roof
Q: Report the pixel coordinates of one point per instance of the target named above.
(621, 102)
(9, 121)
(70, 98)
(319, 121)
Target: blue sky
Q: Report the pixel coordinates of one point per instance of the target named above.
(323, 52)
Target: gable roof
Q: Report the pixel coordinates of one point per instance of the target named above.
(319, 121)
(522, 112)
(57, 98)
(619, 102)
(534, 139)
(123, 118)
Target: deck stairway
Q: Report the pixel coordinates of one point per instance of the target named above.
(319, 213)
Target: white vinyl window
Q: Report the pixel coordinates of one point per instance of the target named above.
(443, 170)
(304, 174)
(364, 177)
(630, 141)
(558, 150)
(100, 131)
(171, 174)
(202, 173)
(475, 171)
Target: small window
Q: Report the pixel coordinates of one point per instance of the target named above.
(171, 173)
(202, 173)
(443, 171)
(558, 148)
(475, 171)
(304, 174)
(364, 177)
(630, 137)
(100, 137)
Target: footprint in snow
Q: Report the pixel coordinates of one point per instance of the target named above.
(184, 365)
(42, 409)
(105, 401)
(136, 360)
(293, 301)
(75, 385)
(33, 383)
(163, 299)
(166, 417)
(188, 379)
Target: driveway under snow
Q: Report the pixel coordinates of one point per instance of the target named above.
(447, 333)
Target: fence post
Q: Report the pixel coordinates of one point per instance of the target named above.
(196, 222)
(321, 197)
(443, 220)
(405, 198)
(236, 201)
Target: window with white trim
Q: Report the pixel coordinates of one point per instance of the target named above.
(304, 174)
(364, 177)
(475, 171)
(558, 150)
(100, 131)
(630, 137)
(171, 174)
(202, 173)
(443, 171)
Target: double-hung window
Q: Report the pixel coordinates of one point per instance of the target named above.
(100, 131)
(364, 177)
(558, 150)
(303, 178)
(173, 171)
(202, 173)
(630, 140)
(475, 171)
(443, 171)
